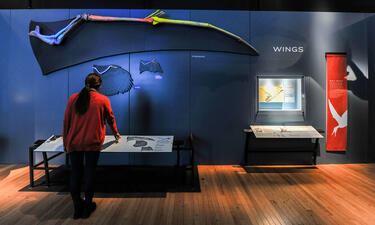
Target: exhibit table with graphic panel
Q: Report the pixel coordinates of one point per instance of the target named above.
(306, 139)
(127, 144)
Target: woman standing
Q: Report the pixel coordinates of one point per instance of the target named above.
(83, 135)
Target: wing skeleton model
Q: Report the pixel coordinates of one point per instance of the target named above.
(153, 19)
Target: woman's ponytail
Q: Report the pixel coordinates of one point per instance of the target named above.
(83, 101)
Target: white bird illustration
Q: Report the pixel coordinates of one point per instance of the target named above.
(341, 120)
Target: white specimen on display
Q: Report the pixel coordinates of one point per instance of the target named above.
(341, 120)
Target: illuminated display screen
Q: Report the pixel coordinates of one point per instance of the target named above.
(279, 94)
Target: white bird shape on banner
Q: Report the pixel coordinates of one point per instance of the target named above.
(341, 120)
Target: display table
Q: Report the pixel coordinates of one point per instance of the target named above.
(273, 133)
(127, 144)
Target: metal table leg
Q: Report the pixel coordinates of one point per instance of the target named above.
(178, 158)
(192, 166)
(46, 169)
(31, 166)
(316, 145)
(246, 153)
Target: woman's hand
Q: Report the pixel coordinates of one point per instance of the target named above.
(118, 137)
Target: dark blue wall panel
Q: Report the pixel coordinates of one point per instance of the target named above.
(220, 93)
(160, 106)
(354, 38)
(371, 72)
(209, 94)
(219, 106)
(5, 29)
(286, 29)
(50, 93)
(317, 33)
(160, 102)
(22, 94)
(20, 86)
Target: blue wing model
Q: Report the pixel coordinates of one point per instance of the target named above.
(151, 66)
(115, 79)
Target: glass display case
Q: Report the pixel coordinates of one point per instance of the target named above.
(280, 93)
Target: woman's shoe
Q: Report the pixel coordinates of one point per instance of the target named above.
(78, 210)
(88, 208)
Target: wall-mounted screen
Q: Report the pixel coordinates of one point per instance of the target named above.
(280, 93)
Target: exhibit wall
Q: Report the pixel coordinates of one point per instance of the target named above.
(210, 94)
(371, 88)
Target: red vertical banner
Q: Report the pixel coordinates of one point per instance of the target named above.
(337, 102)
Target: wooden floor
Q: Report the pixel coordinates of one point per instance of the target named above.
(327, 194)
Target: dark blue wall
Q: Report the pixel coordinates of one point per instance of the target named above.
(371, 71)
(317, 33)
(4, 90)
(209, 94)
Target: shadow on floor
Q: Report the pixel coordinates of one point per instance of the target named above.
(126, 181)
(4, 173)
(281, 169)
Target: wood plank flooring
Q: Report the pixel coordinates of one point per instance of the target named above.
(326, 194)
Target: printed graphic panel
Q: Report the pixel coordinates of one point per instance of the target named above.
(337, 102)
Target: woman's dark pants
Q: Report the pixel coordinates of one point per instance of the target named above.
(81, 170)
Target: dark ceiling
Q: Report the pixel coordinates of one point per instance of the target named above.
(257, 5)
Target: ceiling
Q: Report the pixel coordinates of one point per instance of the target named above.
(256, 5)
